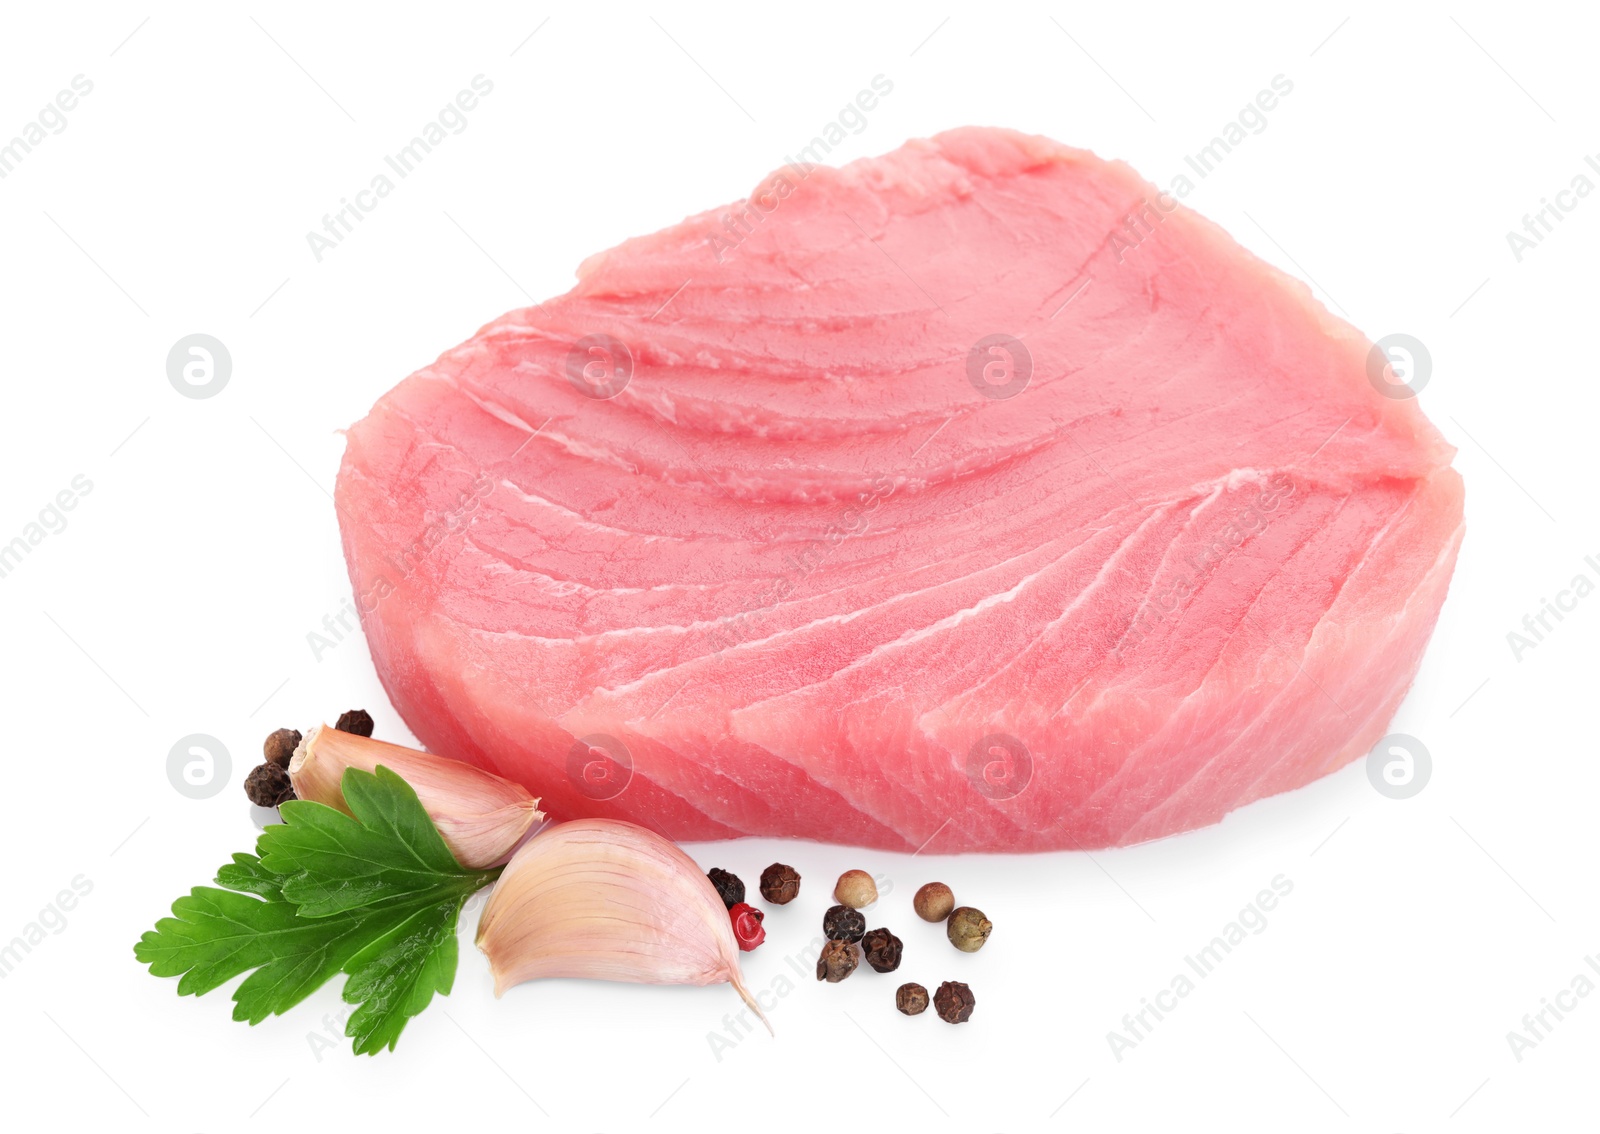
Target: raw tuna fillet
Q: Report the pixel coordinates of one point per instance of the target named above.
(974, 496)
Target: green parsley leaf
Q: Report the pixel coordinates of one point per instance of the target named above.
(375, 895)
(334, 865)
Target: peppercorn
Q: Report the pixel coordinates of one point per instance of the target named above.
(954, 1002)
(968, 929)
(841, 923)
(780, 884)
(729, 888)
(747, 926)
(855, 889)
(912, 999)
(882, 949)
(279, 746)
(268, 785)
(356, 721)
(934, 902)
(839, 959)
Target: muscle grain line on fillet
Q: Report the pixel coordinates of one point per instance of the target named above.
(1131, 758)
(1192, 781)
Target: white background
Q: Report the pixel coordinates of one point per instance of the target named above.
(178, 598)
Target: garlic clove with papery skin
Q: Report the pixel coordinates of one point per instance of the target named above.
(480, 815)
(608, 900)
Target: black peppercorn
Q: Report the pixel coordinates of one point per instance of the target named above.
(780, 884)
(268, 785)
(839, 959)
(356, 721)
(882, 949)
(279, 746)
(729, 888)
(912, 999)
(954, 1002)
(841, 923)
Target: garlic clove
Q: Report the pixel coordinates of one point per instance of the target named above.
(480, 815)
(608, 900)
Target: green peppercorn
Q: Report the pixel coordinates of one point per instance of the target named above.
(968, 929)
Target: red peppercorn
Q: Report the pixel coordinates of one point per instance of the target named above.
(747, 926)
